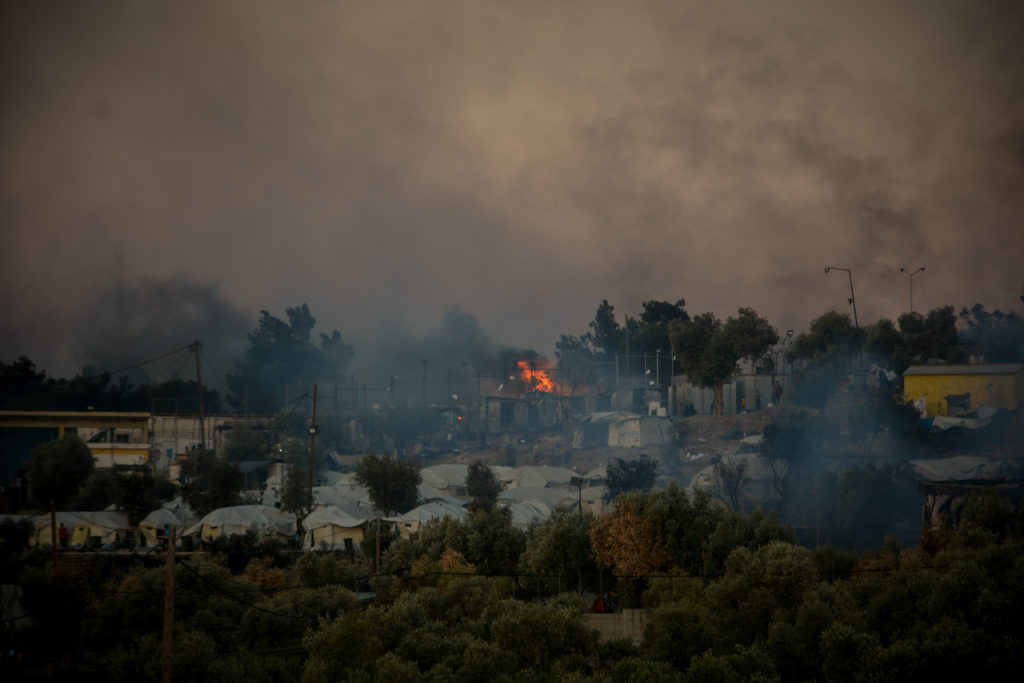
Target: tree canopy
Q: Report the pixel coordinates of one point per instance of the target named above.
(481, 484)
(709, 349)
(211, 482)
(391, 484)
(56, 469)
(630, 475)
(999, 335)
(283, 357)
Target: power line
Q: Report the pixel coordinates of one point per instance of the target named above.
(223, 381)
(113, 373)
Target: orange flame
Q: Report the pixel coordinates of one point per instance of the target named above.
(537, 379)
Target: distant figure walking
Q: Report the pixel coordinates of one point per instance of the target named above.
(62, 535)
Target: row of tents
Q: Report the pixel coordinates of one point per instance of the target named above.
(343, 513)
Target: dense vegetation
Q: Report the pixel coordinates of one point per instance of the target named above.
(729, 597)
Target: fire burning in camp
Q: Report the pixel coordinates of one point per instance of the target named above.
(536, 378)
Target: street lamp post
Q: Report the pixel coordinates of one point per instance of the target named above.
(853, 300)
(911, 275)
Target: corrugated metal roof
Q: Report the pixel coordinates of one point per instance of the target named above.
(983, 369)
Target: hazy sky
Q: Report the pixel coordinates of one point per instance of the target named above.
(169, 169)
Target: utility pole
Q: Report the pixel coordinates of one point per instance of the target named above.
(312, 446)
(169, 608)
(853, 299)
(199, 381)
(911, 274)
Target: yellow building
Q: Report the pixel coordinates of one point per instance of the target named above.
(951, 390)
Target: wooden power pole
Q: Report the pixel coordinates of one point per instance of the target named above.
(199, 382)
(169, 607)
(312, 448)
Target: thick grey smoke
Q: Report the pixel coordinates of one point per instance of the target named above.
(129, 324)
(387, 161)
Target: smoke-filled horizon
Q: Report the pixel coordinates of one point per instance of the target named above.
(169, 170)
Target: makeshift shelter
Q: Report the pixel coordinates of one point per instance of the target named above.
(351, 498)
(265, 522)
(549, 497)
(621, 429)
(523, 514)
(946, 483)
(330, 528)
(41, 525)
(542, 476)
(105, 525)
(164, 518)
(427, 494)
(449, 479)
(411, 522)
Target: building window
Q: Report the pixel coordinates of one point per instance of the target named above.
(959, 403)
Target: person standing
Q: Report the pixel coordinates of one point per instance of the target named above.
(62, 535)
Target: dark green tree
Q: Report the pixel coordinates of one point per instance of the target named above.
(822, 358)
(827, 331)
(577, 364)
(57, 469)
(1000, 336)
(139, 493)
(210, 482)
(391, 484)
(481, 484)
(683, 522)
(863, 504)
(649, 333)
(708, 349)
(558, 553)
(282, 357)
(295, 494)
(607, 337)
(630, 475)
(96, 492)
(881, 345)
(933, 336)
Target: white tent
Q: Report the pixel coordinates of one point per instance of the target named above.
(550, 497)
(427, 493)
(526, 512)
(105, 524)
(450, 479)
(964, 467)
(80, 525)
(543, 476)
(264, 521)
(411, 521)
(331, 528)
(164, 518)
(345, 496)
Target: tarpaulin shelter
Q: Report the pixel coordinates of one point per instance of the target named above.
(164, 518)
(266, 522)
(332, 529)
